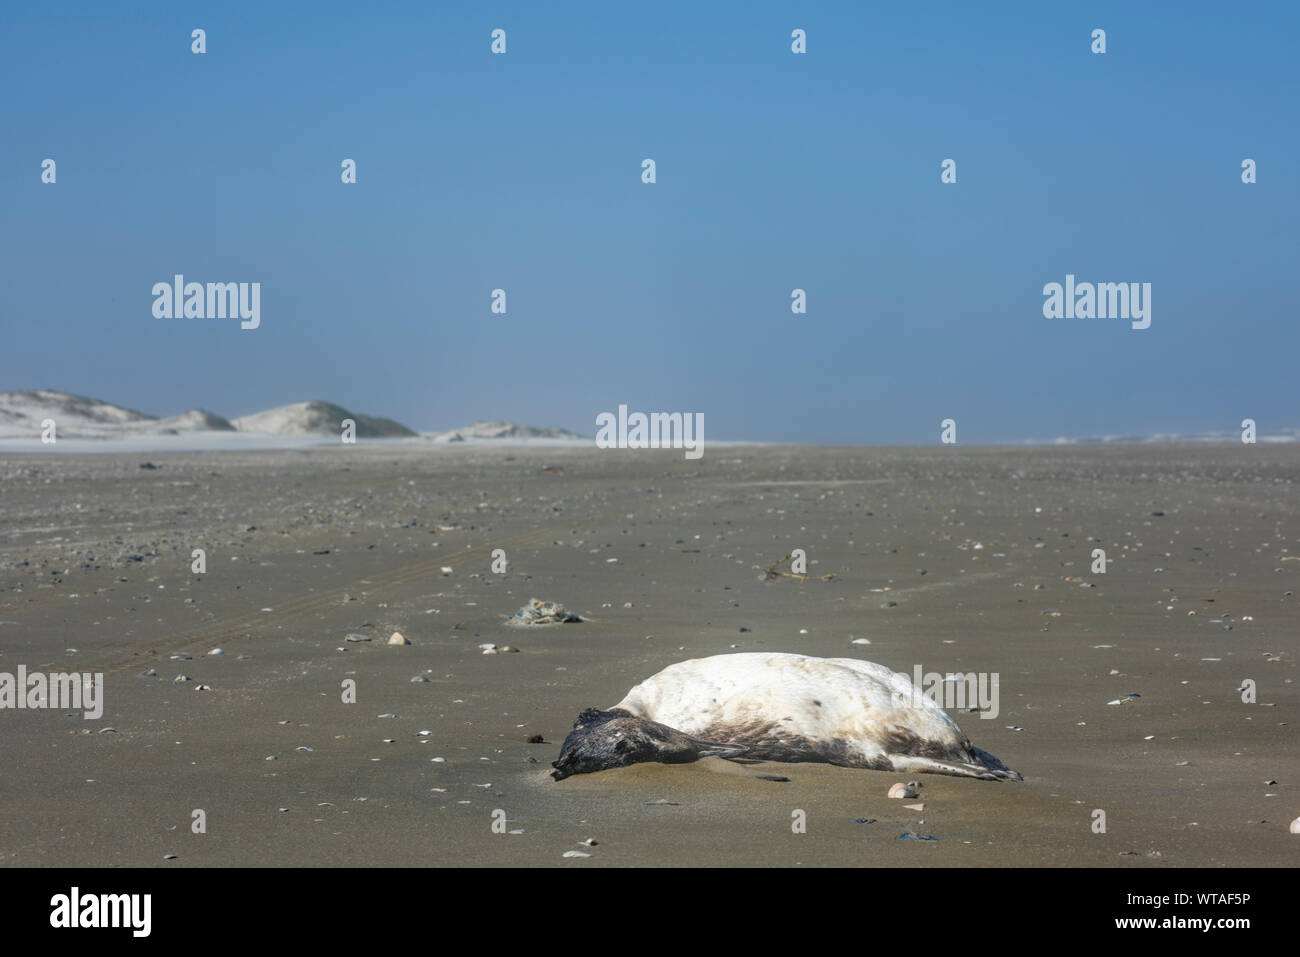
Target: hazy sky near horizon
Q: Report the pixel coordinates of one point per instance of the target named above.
(775, 171)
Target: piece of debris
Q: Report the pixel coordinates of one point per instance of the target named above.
(538, 612)
(774, 571)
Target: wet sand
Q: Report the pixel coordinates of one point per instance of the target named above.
(663, 557)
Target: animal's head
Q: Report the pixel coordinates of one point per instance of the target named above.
(614, 739)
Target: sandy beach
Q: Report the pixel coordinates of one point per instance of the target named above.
(954, 559)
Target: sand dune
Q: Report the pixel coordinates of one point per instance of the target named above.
(22, 415)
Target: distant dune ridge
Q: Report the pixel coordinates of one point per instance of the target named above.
(319, 418)
(79, 417)
(500, 430)
(75, 416)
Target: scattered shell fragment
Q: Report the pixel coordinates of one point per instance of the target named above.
(356, 637)
(397, 638)
(901, 790)
(217, 651)
(915, 807)
(576, 854)
(1295, 826)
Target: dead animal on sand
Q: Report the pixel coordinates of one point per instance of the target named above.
(776, 707)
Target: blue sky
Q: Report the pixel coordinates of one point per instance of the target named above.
(774, 171)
